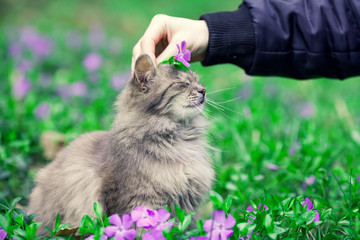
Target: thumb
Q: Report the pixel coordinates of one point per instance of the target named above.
(170, 50)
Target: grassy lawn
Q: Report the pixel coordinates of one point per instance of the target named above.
(276, 141)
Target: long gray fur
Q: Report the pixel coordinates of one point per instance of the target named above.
(154, 154)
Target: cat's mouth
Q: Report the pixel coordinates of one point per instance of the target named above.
(201, 102)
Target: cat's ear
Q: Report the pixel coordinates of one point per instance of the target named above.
(144, 68)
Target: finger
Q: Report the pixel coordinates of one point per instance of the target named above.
(135, 55)
(170, 50)
(148, 47)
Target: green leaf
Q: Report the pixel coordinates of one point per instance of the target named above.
(4, 205)
(200, 226)
(4, 224)
(269, 224)
(216, 199)
(179, 65)
(57, 222)
(20, 219)
(180, 213)
(227, 204)
(86, 225)
(98, 210)
(15, 201)
(184, 224)
(246, 228)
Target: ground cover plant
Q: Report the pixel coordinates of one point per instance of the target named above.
(286, 152)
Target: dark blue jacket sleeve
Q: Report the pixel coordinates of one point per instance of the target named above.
(294, 38)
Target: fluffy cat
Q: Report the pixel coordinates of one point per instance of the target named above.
(154, 154)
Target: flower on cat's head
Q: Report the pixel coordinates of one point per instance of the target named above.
(121, 227)
(184, 55)
(181, 59)
(144, 217)
(219, 227)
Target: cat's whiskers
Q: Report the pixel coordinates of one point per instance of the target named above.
(220, 90)
(222, 107)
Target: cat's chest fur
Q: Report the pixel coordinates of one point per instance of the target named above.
(157, 167)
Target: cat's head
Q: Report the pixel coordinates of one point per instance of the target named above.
(165, 90)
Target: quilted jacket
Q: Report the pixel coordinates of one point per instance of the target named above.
(293, 38)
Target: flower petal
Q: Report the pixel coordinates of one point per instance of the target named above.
(208, 225)
(130, 234)
(163, 214)
(263, 208)
(219, 216)
(187, 55)
(138, 213)
(250, 208)
(214, 235)
(308, 203)
(230, 221)
(317, 216)
(127, 221)
(110, 231)
(225, 234)
(119, 236)
(183, 46)
(115, 220)
(179, 52)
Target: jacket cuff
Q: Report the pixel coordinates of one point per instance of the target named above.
(231, 38)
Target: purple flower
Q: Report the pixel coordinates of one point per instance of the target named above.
(294, 148)
(163, 216)
(154, 235)
(39, 45)
(310, 180)
(272, 166)
(25, 65)
(15, 50)
(307, 110)
(92, 62)
(199, 238)
(78, 89)
(3, 234)
(358, 178)
(184, 55)
(103, 237)
(21, 86)
(220, 227)
(42, 110)
(251, 209)
(121, 227)
(309, 206)
(144, 217)
(118, 80)
(97, 37)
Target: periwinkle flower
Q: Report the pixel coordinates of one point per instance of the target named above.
(310, 206)
(358, 178)
(307, 110)
(154, 235)
(251, 209)
(3, 234)
(24, 65)
(78, 89)
(294, 148)
(15, 50)
(163, 216)
(42, 110)
(183, 55)
(310, 180)
(120, 228)
(219, 227)
(199, 238)
(118, 80)
(92, 237)
(272, 166)
(39, 45)
(92, 62)
(144, 217)
(21, 86)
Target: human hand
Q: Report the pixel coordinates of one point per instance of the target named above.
(164, 32)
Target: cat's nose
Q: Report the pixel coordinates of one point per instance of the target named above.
(202, 91)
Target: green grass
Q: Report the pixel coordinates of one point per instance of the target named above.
(304, 127)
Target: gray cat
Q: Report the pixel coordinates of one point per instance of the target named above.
(154, 154)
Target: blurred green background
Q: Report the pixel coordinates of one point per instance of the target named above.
(272, 135)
